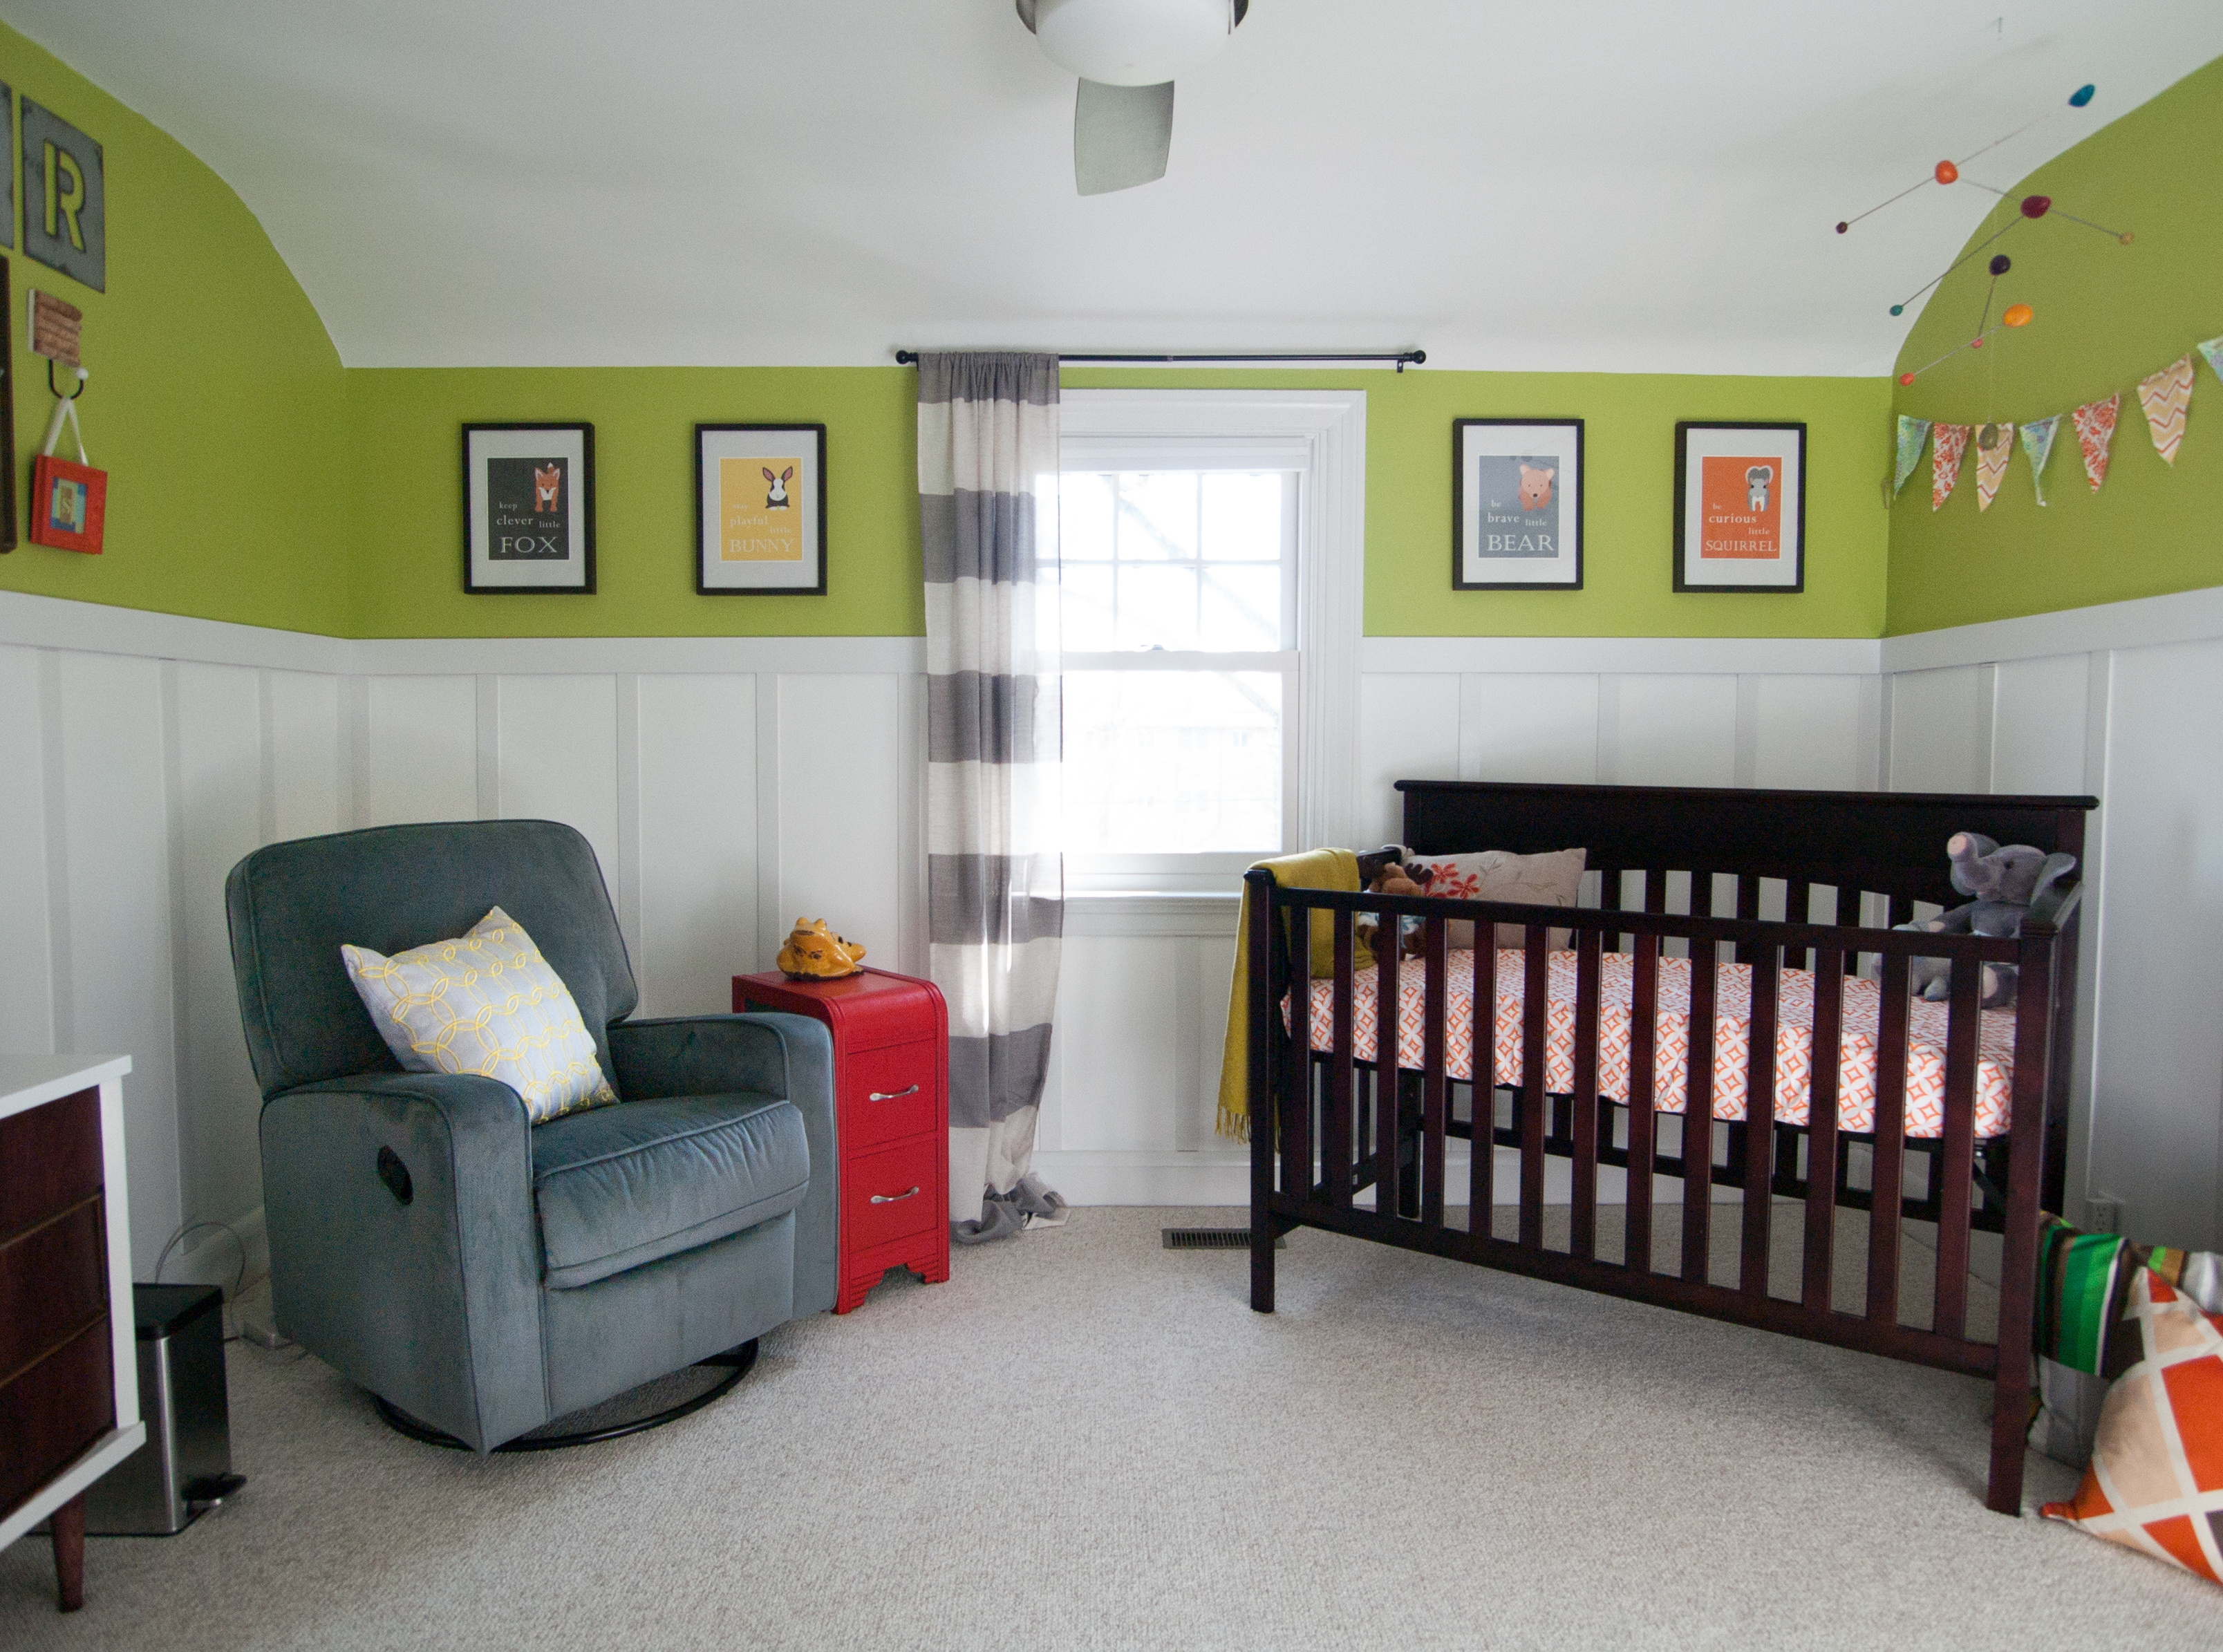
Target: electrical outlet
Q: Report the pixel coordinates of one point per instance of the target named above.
(2103, 1215)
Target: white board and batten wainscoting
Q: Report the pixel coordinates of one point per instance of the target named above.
(731, 785)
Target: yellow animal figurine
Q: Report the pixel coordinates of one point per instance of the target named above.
(813, 952)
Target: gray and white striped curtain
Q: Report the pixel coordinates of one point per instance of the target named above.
(987, 486)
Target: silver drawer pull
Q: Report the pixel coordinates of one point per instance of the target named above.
(892, 1198)
(891, 1095)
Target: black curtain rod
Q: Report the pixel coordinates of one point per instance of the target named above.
(1403, 358)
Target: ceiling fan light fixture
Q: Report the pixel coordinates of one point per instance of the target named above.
(1131, 43)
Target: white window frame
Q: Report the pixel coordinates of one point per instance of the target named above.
(1322, 435)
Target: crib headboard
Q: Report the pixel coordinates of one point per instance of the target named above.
(1891, 842)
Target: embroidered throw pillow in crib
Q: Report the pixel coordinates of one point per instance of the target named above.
(486, 1003)
(1550, 880)
(2156, 1480)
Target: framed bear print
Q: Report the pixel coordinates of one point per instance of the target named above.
(1516, 504)
(529, 508)
(1740, 506)
(760, 510)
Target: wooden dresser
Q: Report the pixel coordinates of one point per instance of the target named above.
(69, 1370)
(891, 1111)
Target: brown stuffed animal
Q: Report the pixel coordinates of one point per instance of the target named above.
(1397, 879)
(815, 953)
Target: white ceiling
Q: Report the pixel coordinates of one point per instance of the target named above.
(1571, 186)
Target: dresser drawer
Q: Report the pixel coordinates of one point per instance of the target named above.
(906, 1181)
(54, 1278)
(52, 1155)
(888, 1094)
(52, 1413)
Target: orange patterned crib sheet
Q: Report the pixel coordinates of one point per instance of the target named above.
(1794, 1039)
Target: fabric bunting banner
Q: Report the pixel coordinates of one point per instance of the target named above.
(1992, 461)
(1948, 443)
(2167, 397)
(2038, 445)
(1913, 434)
(2213, 350)
(2095, 429)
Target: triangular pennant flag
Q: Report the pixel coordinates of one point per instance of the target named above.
(1947, 444)
(2167, 397)
(2095, 428)
(1913, 433)
(1992, 461)
(2213, 350)
(2037, 442)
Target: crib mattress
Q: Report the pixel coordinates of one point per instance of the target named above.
(1794, 1039)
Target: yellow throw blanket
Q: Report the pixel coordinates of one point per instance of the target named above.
(1314, 869)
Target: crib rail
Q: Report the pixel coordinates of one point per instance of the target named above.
(1336, 1125)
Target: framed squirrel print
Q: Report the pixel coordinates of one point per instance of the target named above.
(760, 510)
(1740, 507)
(1516, 504)
(529, 508)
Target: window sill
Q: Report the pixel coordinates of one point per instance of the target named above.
(1114, 913)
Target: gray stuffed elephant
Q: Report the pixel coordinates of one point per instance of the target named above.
(2004, 881)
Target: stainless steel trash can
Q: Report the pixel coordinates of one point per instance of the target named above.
(184, 1468)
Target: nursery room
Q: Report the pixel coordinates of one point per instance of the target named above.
(890, 825)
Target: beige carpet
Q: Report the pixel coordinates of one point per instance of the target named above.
(1084, 1440)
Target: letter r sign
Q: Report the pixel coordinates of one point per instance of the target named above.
(64, 223)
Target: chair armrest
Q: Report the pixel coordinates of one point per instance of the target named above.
(431, 1301)
(787, 1055)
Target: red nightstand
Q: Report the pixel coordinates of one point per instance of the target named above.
(891, 1108)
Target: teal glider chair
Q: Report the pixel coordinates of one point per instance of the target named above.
(480, 1275)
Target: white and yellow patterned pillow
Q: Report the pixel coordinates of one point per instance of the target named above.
(487, 1003)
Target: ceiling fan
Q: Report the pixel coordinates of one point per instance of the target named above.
(1126, 52)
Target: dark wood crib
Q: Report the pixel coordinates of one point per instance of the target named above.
(1328, 1121)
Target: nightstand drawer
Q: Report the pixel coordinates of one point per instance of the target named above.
(890, 1094)
(887, 1194)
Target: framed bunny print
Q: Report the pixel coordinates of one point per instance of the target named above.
(529, 508)
(760, 510)
(1516, 504)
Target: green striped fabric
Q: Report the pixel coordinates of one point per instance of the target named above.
(2081, 1277)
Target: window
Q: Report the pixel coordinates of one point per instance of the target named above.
(1184, 597)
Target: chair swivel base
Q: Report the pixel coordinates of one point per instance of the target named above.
(739, 1359)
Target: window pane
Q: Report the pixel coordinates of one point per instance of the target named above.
(1084, 514)
(1087, 606)
(1157, 514)
(1242, 609)
(1173, 762)
(1242, 516)
(1157, 606)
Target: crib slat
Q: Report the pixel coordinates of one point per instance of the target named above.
(1890, 1140)
(1698, 1118)
(1535, 1009)
(1747, 906)
(1655, 889)
(1482, 1186)
(1297, 1074)
(1342, 1075)
(1797, 893)
(1583, 1217)
(1822, 1146)
(1759, 1117)
(1435, 1099)
(1387, 1177)
(1956, 1171)
(1643, 1118)
(1901, 911)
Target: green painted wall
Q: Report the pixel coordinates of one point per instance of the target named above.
(405, 431)
(216, 402)
(2107, 315)
(404, 427)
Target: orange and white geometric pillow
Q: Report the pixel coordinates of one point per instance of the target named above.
(2155, 1481)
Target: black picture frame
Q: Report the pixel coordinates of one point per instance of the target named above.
(1778, 441)
(750, 446)
(8, 529)
(486, 570)
(1479, 442)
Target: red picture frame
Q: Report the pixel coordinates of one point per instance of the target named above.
(69, 504)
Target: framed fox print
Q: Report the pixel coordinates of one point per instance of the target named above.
(1516, 504)
(760, 510)
(1740, 507)
(529, 508)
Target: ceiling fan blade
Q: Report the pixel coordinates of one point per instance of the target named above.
(1121, 135)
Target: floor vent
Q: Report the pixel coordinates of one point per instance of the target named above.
(1212, 1238)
